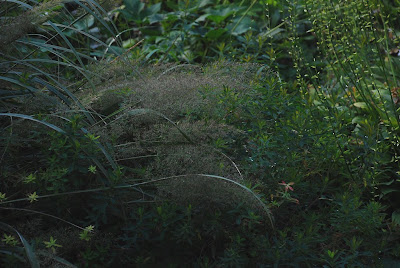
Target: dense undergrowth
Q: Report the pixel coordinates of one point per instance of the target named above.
(199, 133)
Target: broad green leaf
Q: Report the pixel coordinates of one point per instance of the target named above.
(358, 120)
(85, 23)
(215, 34)
(242, 25)
(133, 7)
(156, 18)
(172, 17)
(219, 15)
(136, 10)
(361, 105)
(201, 31)
(202, 18)
(129, 43)
(151, 10)
(129, 16)
(383, 95)
(203, 3)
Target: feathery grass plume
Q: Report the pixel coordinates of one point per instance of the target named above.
(16, 27)
(165, 127)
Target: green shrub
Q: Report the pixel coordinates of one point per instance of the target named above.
(225, 164)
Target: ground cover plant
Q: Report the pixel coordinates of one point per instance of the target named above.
(199, 133)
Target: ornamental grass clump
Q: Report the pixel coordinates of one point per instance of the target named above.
(13, 28)
(163, 125)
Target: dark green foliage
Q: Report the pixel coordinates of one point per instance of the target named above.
(199, 133)
(200, 31)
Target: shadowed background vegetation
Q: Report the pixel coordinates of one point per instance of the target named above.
(199, 133)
